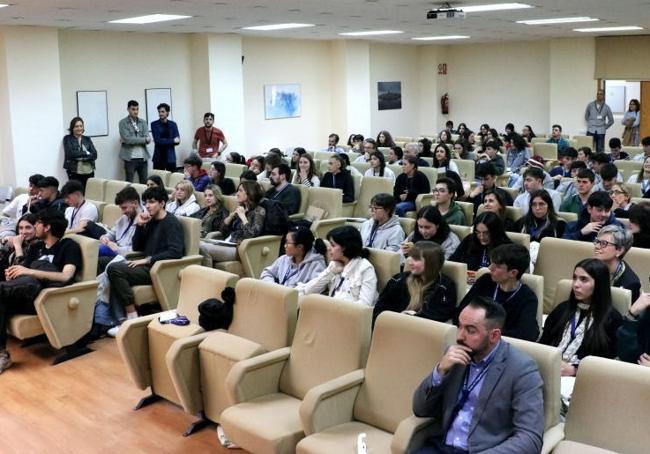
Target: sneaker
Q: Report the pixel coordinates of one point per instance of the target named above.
(112, 332)
(5, 361)
(223, 439)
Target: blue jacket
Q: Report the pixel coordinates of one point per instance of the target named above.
(165, 148)
(572, 231)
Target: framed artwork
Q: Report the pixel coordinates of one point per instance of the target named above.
(282, 101)
(92, 106)
(155, 96)
(389, 95)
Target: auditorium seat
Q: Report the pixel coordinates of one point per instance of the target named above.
(304, 201)
(140, 188)
(100, 205)
(457, 272)
(639, 260)
(377, 400)
(512, 213)
(255, 254)
(110, 215)
(461, 231)
(548, 151)
(112, 188)
(583, 141)
(174, 179)
(163, 174)
(348, 208)
(370, 187)
(328, 199)
(235, 170)
(628, 168)
(466, 168)
(386, 264)
(95, 188)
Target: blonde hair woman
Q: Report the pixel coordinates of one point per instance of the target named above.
(184, 203)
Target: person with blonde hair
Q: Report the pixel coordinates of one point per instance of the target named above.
(184, 203)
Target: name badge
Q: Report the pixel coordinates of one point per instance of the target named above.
(599, 117)
(209, 150)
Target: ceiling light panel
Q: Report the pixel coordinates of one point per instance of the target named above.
(557, 20)
(272, 27)
(494, 7)
(149, 19)
(608, 29)
(372, 33)
(440, 38)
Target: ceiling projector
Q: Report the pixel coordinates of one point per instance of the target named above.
(446, 13)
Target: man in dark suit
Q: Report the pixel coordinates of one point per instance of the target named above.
(486, 393)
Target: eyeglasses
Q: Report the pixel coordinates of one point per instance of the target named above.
(374, 208)
(617, 192)
(603, 243)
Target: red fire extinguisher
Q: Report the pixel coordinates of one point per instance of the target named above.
(444, 104)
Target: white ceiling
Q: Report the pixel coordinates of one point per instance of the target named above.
(330, 16)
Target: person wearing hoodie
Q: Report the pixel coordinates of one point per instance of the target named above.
(184, 203)
(302, 261)
(594, 217)
(445, 195)
(382, 230)
(195, 173)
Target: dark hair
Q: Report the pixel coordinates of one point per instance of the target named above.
(518, 141)
(532, 133)
(579, 165)
(636, 103)
(557, 126)
(312, 168)
(449, 123)
(237, 158)
(74, 122)
(645, 141)
(447, 151)
(48, 182)
(157, 193)
(411, 160)
(551, 216)
(608, 171)
(344, 159)
(335, 136)
(34, 179)
(388, 139)
(382, 161)
(253, 191)
(132, 103)
(600, 199)
(586, 151)
(499, 195)
(534, 172)
(248, 175)
(164, 105)
(157, 180)
(284, 169)
(451, 185)
(584, 172)
(208, 115)
(426, 146)
(615, 142)
(28, 217)
(483, 126)
(193, 160)
(492, 144)
(494, 225)
(350, 241)
(54, 219)
(640, 215)
(371, 142)
(385, 201)
(300, 150)
(569, 152)
(276, 151)
(221, 168)
(513, 256)
(509, 127)
(601, 158)
(303, 236)
(128, 194)
(432, 214)
(398, 152)
(484, 169)
(464, 145)
(495, 314)
(71, 187)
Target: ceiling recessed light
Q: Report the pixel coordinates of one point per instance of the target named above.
(608, 29)
(494, 7)
(558, 20)
(2, 5)
(440, 38)
(149, 19)
(372, 33)
(277, 27)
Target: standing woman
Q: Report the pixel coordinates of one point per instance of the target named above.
(378, 167)
(80, 153)
(307, 174)
(586, 323)
(474, 250)
(631, 121)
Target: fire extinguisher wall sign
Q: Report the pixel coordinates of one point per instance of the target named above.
(442, 69)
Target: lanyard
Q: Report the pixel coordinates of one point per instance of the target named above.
(599, 109)
(277, 193)
(126, 231)
(484, 260)
(469, 387)
(573, 327)
(373, 235)
(289, 274)
(496, 290)
(208, 142)
(333, 181)
(75, 212)
(338, 287)
(620, 269)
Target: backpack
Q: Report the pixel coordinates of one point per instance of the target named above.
(216, 314)
(276, 221)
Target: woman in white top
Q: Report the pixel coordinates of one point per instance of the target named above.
(349, 276)
(346, 160)
(442, 158)
(643, 177)
(307, 174)
(378, 167)
(184, 203)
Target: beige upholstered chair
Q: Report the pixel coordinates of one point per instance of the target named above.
(112, 188)
(234, 170)
(386, 265)
(100, 208)
(361, 166)
(457, 272)
(175, 178)
(110, 215)
(140, 188)
(144, 341)
(304, 200)
(323, 155)
(633, 151)
(431, 173)
(466, 168)
(461, 231)
(377, 400)
(511, 212)
(519, 238)
(584, 141)
(408, 225)
(396, 168)
(370, 187)
(639, 261)
(628, 168)
(329, 199)
(567, 216)
(635, 189)
(468, 209)
(322, 227)
(163, 174)
(255, 254)
(548, 151)
(609, 409)
(348, 208)
(65, 314)
(95, 188)
(621, 297)
(332, 339)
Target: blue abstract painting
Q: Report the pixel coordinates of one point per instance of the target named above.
(281, 101)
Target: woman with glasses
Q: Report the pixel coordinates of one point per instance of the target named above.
(622, 200)
(610, 246)
(382, 230)
(541, 220)
(487, 233)
(444, 195)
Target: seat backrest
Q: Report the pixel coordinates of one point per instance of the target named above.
(621, 297)
(200, 198)
(332, 338)
(408, 225)
(140, 188)
(545, 150)
(174, 178)
(356, 181)
(370, 187)
(198, 283)
(112, 188)
(264, 313)
(361, 166)
(633, 151)
(191, 234)
(609, 406)
(519, 238)
(323, 155)
(583, 141)
(386, 265)
(163, 174)
(396, 168)
(100, 205)
(321, 228)
(432, 175)
(111, 214)
(567, 216)
(556, 260)
(329, 199)
(468, 210)
(461, 231)
(257, 253)
(628, 168)
(304, 197)
(639, 260)
(548, 362)
(229, 202)
(403, 352)
(89, 255)
(234, 170)
(466, 168)
(457, 272)
(512, 213)
(95, 188)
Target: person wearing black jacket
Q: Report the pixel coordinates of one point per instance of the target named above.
(159, 236)
(48, 196)
(409, 184)
(503, 285)
(640, 224)
(488, 232)
(79, 153)
(424, 291)
(610, 246)
(338, 177)
(633, 336)
(218, 176)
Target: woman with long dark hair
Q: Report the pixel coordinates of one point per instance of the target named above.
(442, 158)
(495, 202)
(640, 224)
(424, 148)
(384, 139)
(541, 220)
(431, 226)
(378, 167)
(487, 233)
(586, 323)
(307, 174)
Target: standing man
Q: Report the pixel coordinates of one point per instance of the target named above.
(599, 118)
(209, 141)
(134, 135)
(165, 137)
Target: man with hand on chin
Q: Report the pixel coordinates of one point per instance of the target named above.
(486, 394)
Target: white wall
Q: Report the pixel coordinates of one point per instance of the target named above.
(431, 87)
(632, 91)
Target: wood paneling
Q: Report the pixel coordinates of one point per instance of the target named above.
(645, 110)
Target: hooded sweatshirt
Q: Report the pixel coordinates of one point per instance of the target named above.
(284, 272)
(188, 208)
(455, 215)
(388, 236)
(201, 181)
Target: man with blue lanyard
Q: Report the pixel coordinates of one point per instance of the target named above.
(486, 394)
(282, 191)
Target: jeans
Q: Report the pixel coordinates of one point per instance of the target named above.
(599, 140)
(403, 207)
(136, 165)
(122, 278)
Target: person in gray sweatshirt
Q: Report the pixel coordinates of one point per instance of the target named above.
(599, 118)
(382, 230)
(302, 261)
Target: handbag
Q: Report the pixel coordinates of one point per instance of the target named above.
(215, 313)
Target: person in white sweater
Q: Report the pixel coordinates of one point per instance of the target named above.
(378, 167)
(184, 203)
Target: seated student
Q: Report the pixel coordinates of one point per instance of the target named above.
(633, 336)
(378, 167)
(461, 149)
(424, 290)
(79, 211)
(567, 157)
(385, 139)
(503, 285)
(409, 184)
(349, 275)
(444, 195)
(283, 191)
(609, 176)
(616, 150)
(195, 173)
(586, 323)
(584, 185)
(382, 230)
(528, 133)
(51, 261)
(474, 250)
(495, 203)
(355, 142)
(517, 181)
(21, 204)
(271, 161)
(48, 196)
(235, 158)
(295, 157)
(597, 215)
(154, 181)
(640, 224)
(584, 155)
(13, 249)
(541, 220)
(498, 409)
(445, 137)
(424, 148)
(183, 201)
(247, 221)
(214, 213)
(567, 187)
(307, 174)
(338, 177)
(395, 155)
(492, 155)
(518, 153)
(430, 225)
(119, 239)
(610, 246)
(487, 175)
(556, 138)
(412, 149)
(346, 163)
(369, 147)
(645, 143)
(302, 261)
(442, 159)
(247, 175)
(533, 179)
(332, 144)
(218, 177)
(643, 177)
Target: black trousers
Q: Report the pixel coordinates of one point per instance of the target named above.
(16, 297)
(436, 446)
(139, 166)
(81, 178)
(122, 278)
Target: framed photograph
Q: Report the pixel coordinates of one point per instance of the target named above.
(282, 101)
(92, 106)
(155, 96)
(389, 95)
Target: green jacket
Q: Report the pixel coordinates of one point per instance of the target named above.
(572, 205)
(455, 215)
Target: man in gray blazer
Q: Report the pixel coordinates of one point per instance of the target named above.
(134, 137)
(486, 393)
